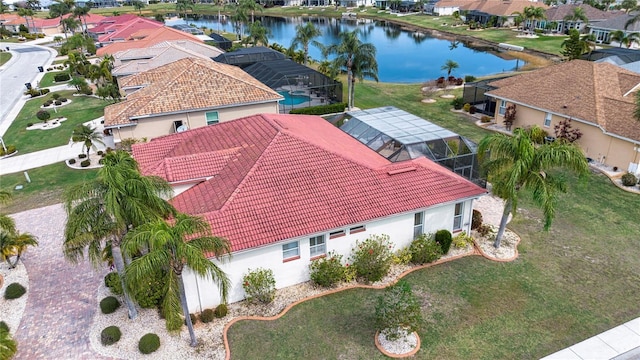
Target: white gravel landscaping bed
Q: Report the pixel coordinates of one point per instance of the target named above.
(11, 310)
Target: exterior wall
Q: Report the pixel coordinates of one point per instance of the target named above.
(445, 10)
(595, 143)
(203, 294)
(163, 125)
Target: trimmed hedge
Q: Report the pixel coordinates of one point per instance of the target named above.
(221, 311)
(110, 335)
(149, 343)
(109, 305)
(207, 316)
(320, 109)
(61, 77)
(444, 238)
(85, 163)
(629, 179)
(14, 291)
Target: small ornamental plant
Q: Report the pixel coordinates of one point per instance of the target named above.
(327, 271)
(221, 310)
(398, 311)
(43, 115)
(629, 179)
(149, 343)
(444, 238)
(14, 291)
(207, 316)
(372, 258)
(462, 240)
(110, 335)
(259, 285)
(424, 249)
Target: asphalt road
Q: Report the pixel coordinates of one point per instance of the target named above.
(21, 69)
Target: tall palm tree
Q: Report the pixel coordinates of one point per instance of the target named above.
(249, 6)
(165, 246)
(623, 38)
(515, 163)
(305, 34)
(258, 35)
(183, 6)
(577, 15)
(26, 14)
(59, 9)
(69, 24)
(354, 56)
(8, 346)
(138, 5)
(238, 16)
(13, 245)
(88, 136)
(449, 66)
(101, 212)
(6, 223)
(534, 13)
(81, 13)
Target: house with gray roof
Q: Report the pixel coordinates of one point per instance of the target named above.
(603, 29)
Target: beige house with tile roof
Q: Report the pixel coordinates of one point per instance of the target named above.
(186, 94)
(599, 98)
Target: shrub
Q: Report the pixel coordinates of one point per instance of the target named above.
(443, 237)
(87, 91)
(221, 311)
(149, 294)
(61, 77)
(149, 343)
(476, 219)
(4, 326)
(110, 335)
(402, 256)
(629, 179)
(372, 258)
(55, 96)
(64, 100)
(327, 271)
(58, 102)
(72, 161)
(109, 305)
(44, 91)
(457, 103)
(473, 109)
(398, 310)
(466, 107)
(100, 152)
(29, 124)
(469, 78)
(10, 150)
(112, 279)
(43, 115)
(85, 163)
(14, 291)
(82, 156)
(424, 250)
(485, 119)
(462, 240)
(484, 230)
(194, 319)
(259, 285)
(320, 109)
(101, 162)
(207, 316)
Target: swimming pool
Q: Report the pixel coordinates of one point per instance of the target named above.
(292, 99)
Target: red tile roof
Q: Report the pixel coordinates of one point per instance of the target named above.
(106, 23)
(124, 31)
(273, 177)
(152, 38)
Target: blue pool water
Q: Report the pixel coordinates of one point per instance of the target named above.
(294, 99)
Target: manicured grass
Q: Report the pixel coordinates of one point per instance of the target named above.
(81, 109)
(46, 188)
(47, 79)
(4, 57)
(568, 284)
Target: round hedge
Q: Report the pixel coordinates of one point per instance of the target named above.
(109, 304)
(14, 291)
(149, 343)
(221, 311)
(110, 335)
(85, 163)
(207, 316)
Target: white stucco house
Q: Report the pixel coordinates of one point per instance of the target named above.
(287, 189)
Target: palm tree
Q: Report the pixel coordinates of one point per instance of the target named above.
(238, 16)
(166, 247)
(138, 5)
(101, 212)
(183, 6)
(249, 6)
(6, 223)
(577, 15)
(88, 136)
(359, 59)
(81, 13)
(14, 244)
(69, 24)
(258, 35)
(26, 14)
(623, 38)
(449, 66)
(305, 34)
(59, 9)
(533, 13)
(8, 346)
(515, 163)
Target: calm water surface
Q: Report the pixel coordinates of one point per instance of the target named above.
(403, 56)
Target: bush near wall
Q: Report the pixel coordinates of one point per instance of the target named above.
(61, 77)
(320, 109)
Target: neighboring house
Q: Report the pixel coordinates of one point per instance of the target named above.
(186, 94)
(286, 189)
(134, 61)
(603, 29)
(110, 24)
(599, 98)
(504, 12)
(558, 14)
(43, 26)
(146, 38)
(126, 31)
(448, 7)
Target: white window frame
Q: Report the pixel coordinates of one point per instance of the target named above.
(503, 107)
(212, 122)
(291, 250)
(418, 224)
(357, 229)
(547, 120)
(317, 246)
(458, 212)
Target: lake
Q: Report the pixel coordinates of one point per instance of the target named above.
(403, 56)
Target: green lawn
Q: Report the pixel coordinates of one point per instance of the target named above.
(47, 79)
(81, 109)
(4, 57)
(568, 284)
(46, 187)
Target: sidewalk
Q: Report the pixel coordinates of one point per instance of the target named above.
(620, 343)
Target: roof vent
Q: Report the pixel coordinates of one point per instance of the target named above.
(401, 171)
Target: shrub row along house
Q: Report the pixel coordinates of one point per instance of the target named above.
(287, 189)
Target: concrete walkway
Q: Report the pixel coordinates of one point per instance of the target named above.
(620, 343)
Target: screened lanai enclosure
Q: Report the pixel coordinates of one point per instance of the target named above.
(398, 135)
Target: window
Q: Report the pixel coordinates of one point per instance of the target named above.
(503, 107)
(357, 229)
(290, 251)
(418, 220)
(547, 120)
(457, 217)
(317, 246)
(337, 234)
(212, 117)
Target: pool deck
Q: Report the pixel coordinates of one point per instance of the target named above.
(314, 97)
